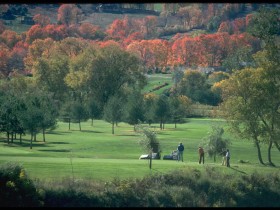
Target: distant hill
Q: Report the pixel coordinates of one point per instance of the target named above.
(104, 14)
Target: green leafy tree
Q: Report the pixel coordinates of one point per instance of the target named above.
(9, 121)
(250, 105)
(65, 113)
(78, 112)
(217, 76)
(149, 141)
(113, 111)
(238, 59)
(93, 108)
(135, 108)
(31, 115)
(214, 143)
(150, 100)
(177, 76)
(194, 86)
(114, 70)
(49, 75)
(265, 25)
(80, 67)
(251, 97)
(50, 113)
(179, 108)
(162, 110)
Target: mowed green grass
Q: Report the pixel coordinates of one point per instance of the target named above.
(156, 80)
(95, 153)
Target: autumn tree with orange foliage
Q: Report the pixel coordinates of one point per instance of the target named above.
(35, 32)
(2, 27)
(68, 14)
(149, 24)
(42, 20)
(4, 57)
(10, 38)
(186, 51)
(122, 28)
(90, 31)
(16, 58)
(225, 26)
(37, 49)
(153, 53)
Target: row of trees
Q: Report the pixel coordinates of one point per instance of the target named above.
(233, 52)
(101, 71)
(25, 108)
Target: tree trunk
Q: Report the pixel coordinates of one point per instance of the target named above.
(35, 137)
(44, 137)
(31, 140)
(215, 158)
(69, 122)
(8, 137)
(80, 124)
(175, 125)
(151, 154)
(269, 154)
(113, 131)
(259, 151)
(20, 138)
(12, 139)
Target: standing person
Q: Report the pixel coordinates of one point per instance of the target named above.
(228, 157)
(201, 154)
(224, 160)
(180, 150)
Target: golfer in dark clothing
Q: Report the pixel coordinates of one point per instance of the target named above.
(180, 151)
(228, 157)
(201, 155)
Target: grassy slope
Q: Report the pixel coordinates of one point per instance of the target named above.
(96, 154)
(156, 80)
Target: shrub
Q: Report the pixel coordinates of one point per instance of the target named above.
(16, 189)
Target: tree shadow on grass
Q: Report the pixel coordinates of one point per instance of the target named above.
(126, 135)
(58, 132)
(53, 150)
(58, 142)
(166, 134)
(26, 143)
(89, 131)
(238, 170)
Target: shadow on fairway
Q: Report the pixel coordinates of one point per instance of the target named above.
(127, 135)
(89, 131)
(165, 134)
(27, 144)
(52, 150)
(238, 170)
(58, 142)
(58, 132)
